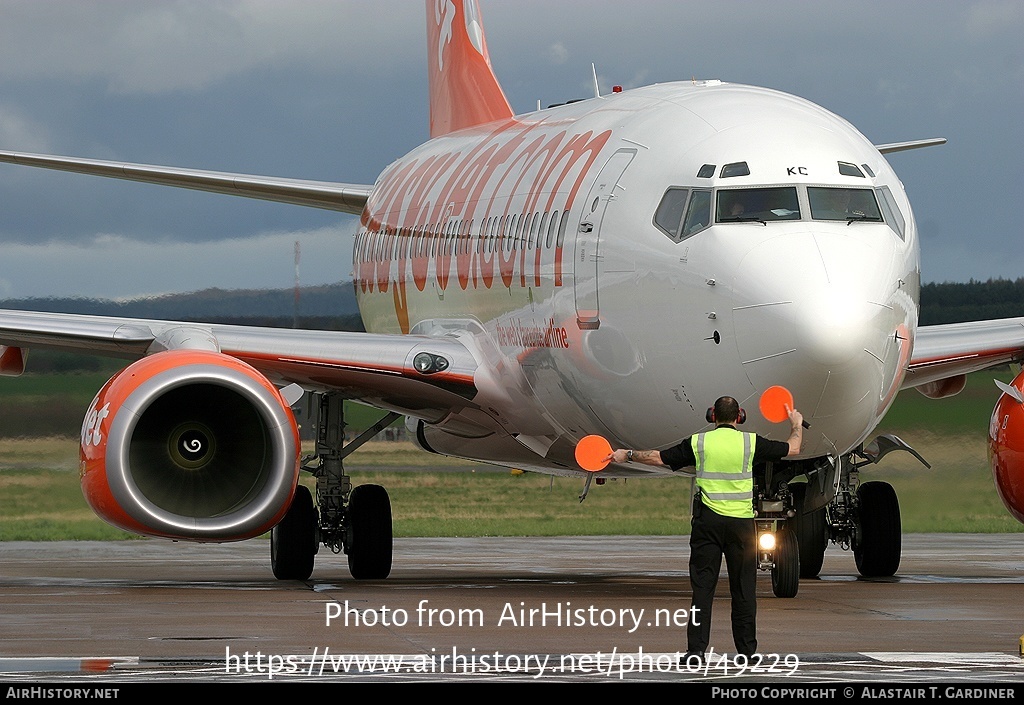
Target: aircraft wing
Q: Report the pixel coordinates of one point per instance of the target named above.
(955, 349)
(347, 198)
(374, 368)
(912, 144)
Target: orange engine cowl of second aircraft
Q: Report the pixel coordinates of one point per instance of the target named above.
(192, 445)
(1006, 450)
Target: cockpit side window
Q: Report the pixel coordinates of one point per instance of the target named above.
(893, 216)
(847, 204)
(758, 205)
(670, 211)
(683, 212)
(698, 214)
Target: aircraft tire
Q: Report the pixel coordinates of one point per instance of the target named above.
(369, 537)
(786, 573)
(877, 551)
(293, 542)
(810, 532)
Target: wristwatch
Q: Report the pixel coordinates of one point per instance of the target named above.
(629, 456)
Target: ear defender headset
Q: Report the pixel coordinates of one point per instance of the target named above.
(710, 416)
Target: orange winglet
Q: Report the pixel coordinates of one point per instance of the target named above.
(593, 453)
(776, 403)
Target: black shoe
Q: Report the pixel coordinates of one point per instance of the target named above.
(692, 659)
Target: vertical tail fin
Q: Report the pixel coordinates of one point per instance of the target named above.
(463, 89)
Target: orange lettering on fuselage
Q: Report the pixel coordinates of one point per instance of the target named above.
(437, 209)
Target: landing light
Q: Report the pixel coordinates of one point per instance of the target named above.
(766, 542)
(427, 363)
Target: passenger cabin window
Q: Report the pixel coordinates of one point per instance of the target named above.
(550, 241)
(848, 204)
(562, 225)
(758, 205)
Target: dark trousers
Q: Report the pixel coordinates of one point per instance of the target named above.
(711, 536)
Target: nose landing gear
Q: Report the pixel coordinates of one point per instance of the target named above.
(777, 546)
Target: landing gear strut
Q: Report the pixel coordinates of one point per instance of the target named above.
(356, 521)
(866, 518)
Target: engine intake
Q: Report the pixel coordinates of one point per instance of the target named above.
(190, 445)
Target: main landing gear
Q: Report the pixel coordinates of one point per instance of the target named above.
(354, 520)
(797, 520)
(866, 517)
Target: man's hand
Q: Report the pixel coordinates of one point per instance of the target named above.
(796, 435)
(796, 419)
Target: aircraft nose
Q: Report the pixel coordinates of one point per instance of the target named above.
(818, 336)
(833, 327)
(822, 324)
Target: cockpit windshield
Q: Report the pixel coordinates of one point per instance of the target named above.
(686, 211)
(849, 204)
(758, 205)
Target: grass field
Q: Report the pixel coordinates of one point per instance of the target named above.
(40, 497)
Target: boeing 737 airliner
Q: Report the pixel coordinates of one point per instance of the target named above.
(609, 266)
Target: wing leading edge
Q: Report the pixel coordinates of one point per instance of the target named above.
(945, 351)
(347, 198)
(374, 368)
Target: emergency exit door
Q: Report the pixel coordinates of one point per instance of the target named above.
(587, 263)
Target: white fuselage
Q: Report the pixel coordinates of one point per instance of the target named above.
(605, 322)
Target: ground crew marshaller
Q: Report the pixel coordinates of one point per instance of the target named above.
(723, 516)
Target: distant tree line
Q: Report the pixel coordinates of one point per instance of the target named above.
(952, 302)
(325, 307)
(326, 300)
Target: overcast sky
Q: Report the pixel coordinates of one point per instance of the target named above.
(336, 89)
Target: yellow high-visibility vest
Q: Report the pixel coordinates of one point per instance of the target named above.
(725, 470)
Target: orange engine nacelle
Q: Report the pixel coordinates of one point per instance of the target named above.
(189, 444)
(1006, 449)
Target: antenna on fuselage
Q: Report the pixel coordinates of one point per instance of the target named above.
(597, 90)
